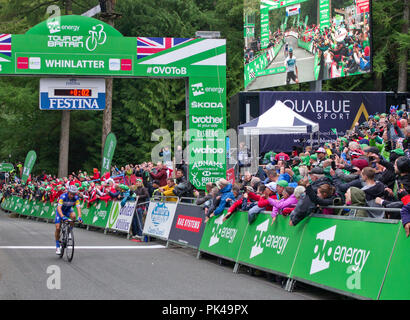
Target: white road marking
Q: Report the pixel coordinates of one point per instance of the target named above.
(84, 247)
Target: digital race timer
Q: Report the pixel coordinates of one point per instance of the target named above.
(73, 92)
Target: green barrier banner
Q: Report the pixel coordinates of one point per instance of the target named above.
(224, 238)
(349, 256)
(52, 211)
(395, 286)
(101, 214)
(271, 71)
(19, 205)
(26, 208)
(45, 211)
(36, 208)
(271, 246)
(87, 214)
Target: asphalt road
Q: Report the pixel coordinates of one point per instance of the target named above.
(304, 62)
(108, 266)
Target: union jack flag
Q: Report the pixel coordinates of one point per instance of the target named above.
(5, 47)
(149, 46)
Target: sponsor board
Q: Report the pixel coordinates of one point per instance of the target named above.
(224, 239)
(271, 246)
(121, 217)
(345, 254)
(160, 217)
(188, 225)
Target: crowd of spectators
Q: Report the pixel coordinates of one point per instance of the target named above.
(369, 167)
(344, 45)
(126, 183)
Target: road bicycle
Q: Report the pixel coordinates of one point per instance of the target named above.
(67, 239)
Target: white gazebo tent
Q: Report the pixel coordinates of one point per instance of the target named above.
(280, 119)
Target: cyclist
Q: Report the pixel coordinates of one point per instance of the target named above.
(286, 49)
(291, 67)
(65, 211)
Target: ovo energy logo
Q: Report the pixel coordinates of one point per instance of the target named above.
(351, 256)
(261, 241)
(218, 232)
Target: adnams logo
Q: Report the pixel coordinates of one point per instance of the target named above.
(342, 254)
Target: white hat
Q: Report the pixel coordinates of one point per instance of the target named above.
(271, 186)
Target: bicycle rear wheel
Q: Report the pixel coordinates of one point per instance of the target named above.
(70, 244)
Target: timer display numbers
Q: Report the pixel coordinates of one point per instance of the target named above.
(73, 92)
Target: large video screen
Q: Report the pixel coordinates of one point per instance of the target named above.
(295, 41)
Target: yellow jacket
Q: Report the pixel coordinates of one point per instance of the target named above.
(169, 191)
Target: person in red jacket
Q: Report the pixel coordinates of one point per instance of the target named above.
(161, 174)
(96, 175)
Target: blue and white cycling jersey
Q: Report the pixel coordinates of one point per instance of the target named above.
(66, 204)
(290, 64)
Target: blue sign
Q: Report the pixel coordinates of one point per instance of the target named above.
(340, 110)
(72, 94)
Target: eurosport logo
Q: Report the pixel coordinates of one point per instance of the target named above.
(206, 105)
(198, 89)
(221, 233)
(167, 70)
(342, 254)
(207, 120)
(262, 241)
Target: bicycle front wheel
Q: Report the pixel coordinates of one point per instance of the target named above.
(70, 244)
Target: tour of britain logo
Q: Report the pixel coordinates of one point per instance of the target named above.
(160, 214)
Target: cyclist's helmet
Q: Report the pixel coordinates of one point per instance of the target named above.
(290, 49)
(72, 189)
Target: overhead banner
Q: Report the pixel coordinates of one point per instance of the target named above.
(188, 225)
(109, 149)
(159, 219)
(28, 165)
(331, 110)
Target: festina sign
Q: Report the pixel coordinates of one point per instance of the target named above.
(72, 94)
